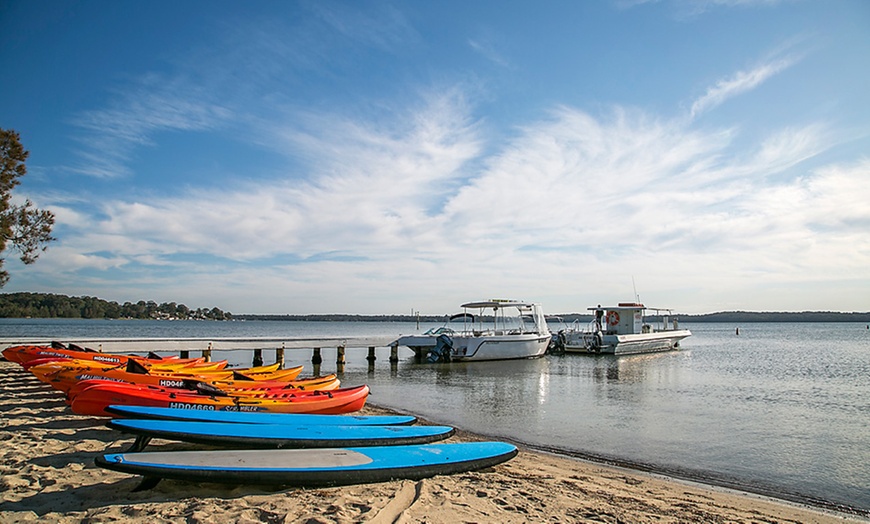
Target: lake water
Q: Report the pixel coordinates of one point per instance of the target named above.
(780, 409)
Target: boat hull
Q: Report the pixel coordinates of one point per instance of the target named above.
(505, 347)
(626, 344)
(489, 347)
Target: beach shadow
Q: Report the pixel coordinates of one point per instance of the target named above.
(38, 406)
(52, 423)
(83, 434)
(80, 498)
(62, 460)
(121, 492)
(23, 382)
(39, 393)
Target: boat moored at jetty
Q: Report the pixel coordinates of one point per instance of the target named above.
(622, 330)
(497, 330)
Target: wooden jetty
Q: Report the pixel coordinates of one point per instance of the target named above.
(208, 347)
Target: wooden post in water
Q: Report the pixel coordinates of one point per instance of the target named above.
(206, 353)
(394, 358)
(258, 357)
(339, 360)
(371, 358)
(279, 356)
(316, 360)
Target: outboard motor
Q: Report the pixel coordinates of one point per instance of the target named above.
(442, 350)
(557, 343)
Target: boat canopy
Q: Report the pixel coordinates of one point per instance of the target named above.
(496, 303)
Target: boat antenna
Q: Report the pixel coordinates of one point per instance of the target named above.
(636, 296)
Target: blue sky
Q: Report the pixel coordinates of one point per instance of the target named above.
(383, 157)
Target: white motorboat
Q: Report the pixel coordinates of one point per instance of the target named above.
(622, 330)
(496, 330)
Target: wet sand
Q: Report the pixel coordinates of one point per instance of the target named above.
(47, 474)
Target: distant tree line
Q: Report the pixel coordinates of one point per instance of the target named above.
(339, 317)
(778, 316)
(727, 316)
(45, 305)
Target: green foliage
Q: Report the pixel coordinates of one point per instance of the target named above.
(22, 228)
(43, 305)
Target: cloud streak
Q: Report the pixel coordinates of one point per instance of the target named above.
(419, 204)
(739, 83)
(152, 105)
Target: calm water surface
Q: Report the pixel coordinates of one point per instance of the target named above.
(781, 409)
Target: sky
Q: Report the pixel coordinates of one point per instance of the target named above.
(379, 157)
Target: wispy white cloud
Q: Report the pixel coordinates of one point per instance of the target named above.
(417, 203)
(381, 26)
(698, 7)
(739, 83)
(485, 47)
(153, 104)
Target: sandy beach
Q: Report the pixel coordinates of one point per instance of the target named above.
(48, 475)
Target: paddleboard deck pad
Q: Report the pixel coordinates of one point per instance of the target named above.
(277, 435)
(310, 467)
(247, 417)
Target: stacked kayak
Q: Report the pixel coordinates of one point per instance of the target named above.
(66, 374)
(274, 427)
(90, 385)
(57, 351)
(94, 399)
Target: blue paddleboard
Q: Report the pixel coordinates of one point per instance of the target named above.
(310, 467)
(277, 435)
(257, 418)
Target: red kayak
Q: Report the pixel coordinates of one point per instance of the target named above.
(67, 379)
(24, 354)
(93, 400)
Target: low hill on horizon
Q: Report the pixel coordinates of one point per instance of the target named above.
(47, 305)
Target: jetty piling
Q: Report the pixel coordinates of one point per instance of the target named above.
(279, 356)
(371, 358)
(339, 359)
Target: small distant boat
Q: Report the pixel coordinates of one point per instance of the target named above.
(622, 330)
(497, 330)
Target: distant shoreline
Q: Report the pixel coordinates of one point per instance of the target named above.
(727, 316)
(732, 317)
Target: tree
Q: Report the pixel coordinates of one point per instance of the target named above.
(24, 228)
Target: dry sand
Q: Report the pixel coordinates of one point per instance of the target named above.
(48, 475)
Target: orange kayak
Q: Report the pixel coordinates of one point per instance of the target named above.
(328, 383)
(56, 372)
(22, 354)
(94, 399)
(67, 381)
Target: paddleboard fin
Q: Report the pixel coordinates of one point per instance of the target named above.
(147, 483)
(139, 444)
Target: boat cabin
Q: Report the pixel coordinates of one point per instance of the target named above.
(626, 318)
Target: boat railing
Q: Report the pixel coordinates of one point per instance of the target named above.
(589, 328)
